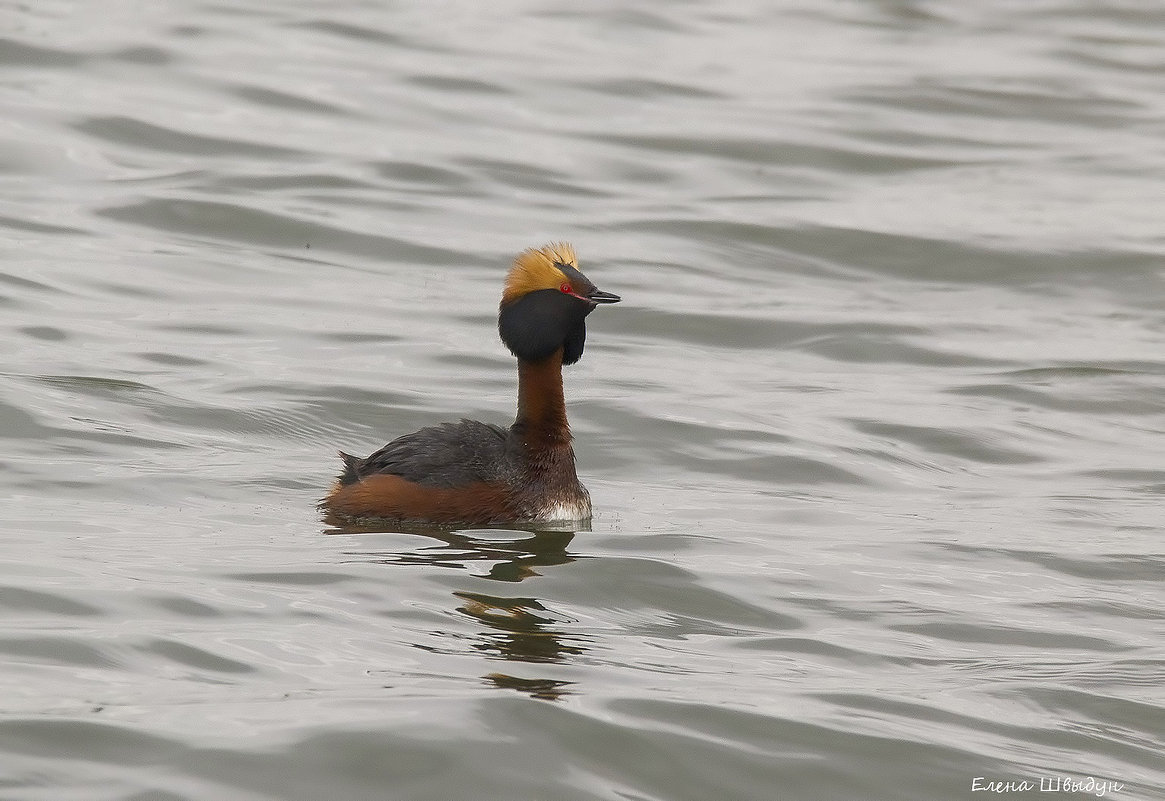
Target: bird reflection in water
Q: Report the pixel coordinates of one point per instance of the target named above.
(515, 628)
(522, 629)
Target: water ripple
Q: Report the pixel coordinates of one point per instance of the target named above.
(873, 440)
(139, 134)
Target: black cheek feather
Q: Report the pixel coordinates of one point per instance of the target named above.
(572, 348)
(536, 325)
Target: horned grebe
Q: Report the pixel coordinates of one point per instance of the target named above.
(475, 473)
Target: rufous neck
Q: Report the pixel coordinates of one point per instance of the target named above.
(541, 404)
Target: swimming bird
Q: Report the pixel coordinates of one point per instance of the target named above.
(476, 473)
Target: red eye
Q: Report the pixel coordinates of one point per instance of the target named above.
(567, 288)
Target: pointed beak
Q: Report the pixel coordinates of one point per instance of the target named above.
(599, 296)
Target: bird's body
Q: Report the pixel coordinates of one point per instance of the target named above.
(476, 473)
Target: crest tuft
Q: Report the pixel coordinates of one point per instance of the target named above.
(537, 268)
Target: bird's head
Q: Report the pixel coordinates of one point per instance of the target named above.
(545, 304)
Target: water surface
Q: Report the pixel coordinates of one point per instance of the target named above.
(874, 440)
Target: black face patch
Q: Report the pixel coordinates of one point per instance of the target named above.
(534, 326)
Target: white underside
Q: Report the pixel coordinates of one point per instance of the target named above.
(566, 512)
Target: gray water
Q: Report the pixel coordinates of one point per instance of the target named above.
(874, 440)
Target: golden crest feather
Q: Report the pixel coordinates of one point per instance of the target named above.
(536, 269)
